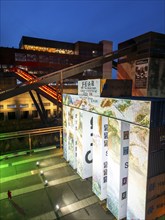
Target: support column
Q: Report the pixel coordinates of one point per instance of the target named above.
(107, 67)
(30, 144)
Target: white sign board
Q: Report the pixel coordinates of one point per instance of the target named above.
(89, 87)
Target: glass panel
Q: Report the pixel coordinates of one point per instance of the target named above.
(20, 57)
(24, 106)
(31, 57)
(12, 106)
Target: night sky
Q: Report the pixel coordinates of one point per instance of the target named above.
(79, 20)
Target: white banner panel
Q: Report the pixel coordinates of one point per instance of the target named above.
(65, 132)
(72, 137)
(80, 146)
(118, 143)
(124, 153)
(137, 176)
(100, 150)
(84, 144)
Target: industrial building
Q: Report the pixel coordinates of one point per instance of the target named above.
(38, 57)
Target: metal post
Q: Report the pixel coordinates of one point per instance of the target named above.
(61, 79)
(30, 144)
(60, 138)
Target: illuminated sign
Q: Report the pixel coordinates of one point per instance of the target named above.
(72, 138)
(138, 164)
(118, 148)
(65, 132)
(89, 87)
(141, 73)
(100, 150)
(123, 173)
(132, 111)
(84, 143)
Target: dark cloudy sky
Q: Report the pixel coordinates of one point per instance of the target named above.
(79, 20)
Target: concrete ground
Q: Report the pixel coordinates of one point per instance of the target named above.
(32, 199)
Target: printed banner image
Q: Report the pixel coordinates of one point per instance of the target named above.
(114, 136)
(97, 144)
(65, 132)
(72, 137)
(80, 143)
(118, 148)
(84, 146)
(137, 71)
(141, 73)
(100, 149)
(132, 111)
(137, 173)
(71, 148)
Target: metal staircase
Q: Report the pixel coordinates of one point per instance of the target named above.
(49, 92)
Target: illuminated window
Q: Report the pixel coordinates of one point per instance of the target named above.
(24, 106)
(94, 53)
(34, 114)
(4, 66)
(46, 104)
(12, 106)
(11, 115)
(1, 106)
(48, 49)
(48, 113)
(31, 57)
(20, 57)
(24, 114)
(18, 82)
(43, 58)
(1, 116)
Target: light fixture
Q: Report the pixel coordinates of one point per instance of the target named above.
(57, 207)
(37, 163)
(41, 173)
(46, 182)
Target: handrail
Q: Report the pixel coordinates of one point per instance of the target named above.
(33, 132)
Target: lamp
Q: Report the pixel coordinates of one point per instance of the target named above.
(57, 207)
(41, 173)
(46, 182)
